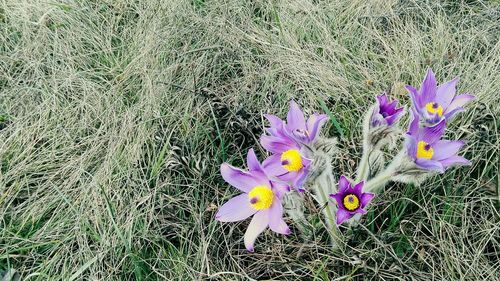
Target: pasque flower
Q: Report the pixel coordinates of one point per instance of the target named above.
(350, 200)
(261, 198)
(385, 111)
(288, 162)
(434, 103)
(296, 126)
(429, 152)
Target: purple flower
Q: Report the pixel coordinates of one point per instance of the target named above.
(261, 198)
(425, 147)
(350, 200)
(288, 162)
(296, 126)
(385, 112)
(435, 103)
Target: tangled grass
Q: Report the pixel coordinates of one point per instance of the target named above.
(116, 115)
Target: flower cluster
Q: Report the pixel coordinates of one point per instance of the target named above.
(300, 161)
(264, 184)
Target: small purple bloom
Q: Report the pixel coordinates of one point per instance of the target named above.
(296, 126)
(425, 147)
(261, 198)
(288, 162)
(434, 103)
(350, 200)
(385, 112)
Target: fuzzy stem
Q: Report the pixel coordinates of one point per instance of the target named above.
(293, 204)
(364, 164)
(323, 184)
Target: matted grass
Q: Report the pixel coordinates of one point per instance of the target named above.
(116, 115)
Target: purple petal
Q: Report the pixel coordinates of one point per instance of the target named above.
(236, 209)
(295, 118)
(366, 198)
(300, 178)
(449, 115)
(280, 188)
(431, 165)
(394, 117)
(434, 133)
(342, 216)
(446, 92)
(276, 222)
(411, 146)
(414, 123)
(276, 144)
(259, 223)
(272, 165)
(428, 89)
(358, 189)
(276, 128)
(314, 124)
(338, 197)
(459, 101)
(446, 148)
(252, 161)
(415, 97)
(455, 160)
(240, 179)
(344, 184)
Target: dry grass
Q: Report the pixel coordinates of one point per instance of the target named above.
(115, 117)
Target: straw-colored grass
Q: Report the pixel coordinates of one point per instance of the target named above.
(116, 115)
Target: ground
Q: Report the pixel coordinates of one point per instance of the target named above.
(116, 115)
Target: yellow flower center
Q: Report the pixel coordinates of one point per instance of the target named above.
(261, 197)
(434, 108)
(291, 160)
(351, 202)
(424, 150)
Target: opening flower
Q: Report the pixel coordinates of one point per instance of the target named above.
(296, 126)
(434, 103)
(261, 198)
(385, 111)
(288, 163)
(425, 147)
(350, 200)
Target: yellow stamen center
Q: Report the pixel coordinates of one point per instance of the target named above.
(291, 160)
(261, 197)
(351, 202)
(424, 150)
(434, 108)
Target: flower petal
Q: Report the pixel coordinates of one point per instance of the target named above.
(276, 144)
(252, 161)
(295, 118)
(272, 165)
(428, 89)
(415, 97)
(259, 223)
(459, 101)
(344, 184)
(366, 198)
(314, 124)
(446, 92)
(343, 215)
(411, 146)
(430, 165)
(238, 178)
(236, 209)
(446, 148)
(280, 188)
(338, 197)
(432, 134)
(455, 160)
(299, 179)
(358, 188)
(276, 222)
